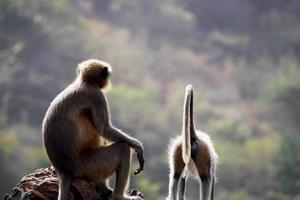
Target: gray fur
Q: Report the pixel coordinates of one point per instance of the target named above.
(195, 166)
(78, 117)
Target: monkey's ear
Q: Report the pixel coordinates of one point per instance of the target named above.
(78, 70)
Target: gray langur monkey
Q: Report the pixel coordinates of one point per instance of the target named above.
(75, 130)
(192, 153)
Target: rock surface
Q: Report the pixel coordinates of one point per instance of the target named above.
(43, 185)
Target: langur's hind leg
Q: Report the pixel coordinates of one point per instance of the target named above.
(122, 171)
(173, 186)
(206, 187)
(175, 176)
(176, 168)
(100, 163)
(213, 188)
(181, 188)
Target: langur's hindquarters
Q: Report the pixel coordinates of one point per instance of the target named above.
(191, 153)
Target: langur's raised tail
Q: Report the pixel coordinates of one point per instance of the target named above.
(186, 130)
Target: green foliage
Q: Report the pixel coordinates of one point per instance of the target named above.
(281, 95)
(229, 128)
(140, 104)
(260, 152)
(150, 189)
(286, 77)
(21, 152)
(8, 142)
(287, 174)
(233, 195)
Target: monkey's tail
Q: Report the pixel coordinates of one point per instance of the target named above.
(186, 132)
(192, 125)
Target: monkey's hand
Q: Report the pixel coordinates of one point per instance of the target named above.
(141, 162)
(139, 149)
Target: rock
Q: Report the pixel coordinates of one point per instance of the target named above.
(43, 185)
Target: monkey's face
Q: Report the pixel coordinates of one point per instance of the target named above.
(94, 72)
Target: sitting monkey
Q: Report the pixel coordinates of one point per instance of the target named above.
(75, 128)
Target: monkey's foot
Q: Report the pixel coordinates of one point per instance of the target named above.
(134, 198)
(131, 195)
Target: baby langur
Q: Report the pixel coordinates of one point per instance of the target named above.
(193, 153)
(75, 130)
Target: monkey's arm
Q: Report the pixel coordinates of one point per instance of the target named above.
(101, 118)
(117, 135)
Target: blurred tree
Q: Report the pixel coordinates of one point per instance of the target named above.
(260, 22)
(289, 102)
(287, 176)
(33, 48)
(283, 93)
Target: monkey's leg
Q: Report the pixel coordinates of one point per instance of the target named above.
(176, 168)
(213, 188)
(64, 186)
(122, 175)
(100, 163)
(206, 187)
(122, 171)
(181, 188)
(173, 186)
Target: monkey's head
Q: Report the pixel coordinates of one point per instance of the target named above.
(94, 72)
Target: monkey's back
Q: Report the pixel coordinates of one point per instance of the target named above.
(63, 131)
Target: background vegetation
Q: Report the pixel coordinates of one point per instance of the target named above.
(242, 56)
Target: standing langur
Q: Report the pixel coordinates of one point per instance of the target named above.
(193, 153)
(75, 129)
